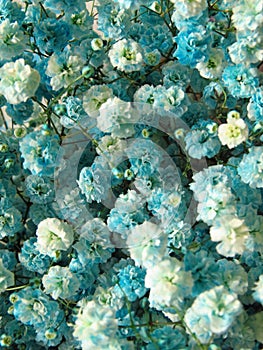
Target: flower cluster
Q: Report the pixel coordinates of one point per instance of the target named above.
(131, 174)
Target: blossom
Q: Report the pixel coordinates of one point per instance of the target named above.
(31, 258)
(18, 81)
(95, 325)
(126, 55)
(60, 282)
(63, 69)
(251, 167)
(250, 11)
(38, 189)
(199, 143)
(234, 132)
(213, 66)
(33, 307)
(213, 311)
(95, 97)
(117, 117)
(240, 80)
(130, 283)
(232, 233)
(94, 181)
(10, 218)
(12, 40)
(54, 235)
(39, 150)
(187, 9)
(192, 43)
(255, 106)
(168, 283)
(147, 244)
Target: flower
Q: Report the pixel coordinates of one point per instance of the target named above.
(95, 326)
(233, 234)
(54, 235)
(250, 168)
(147, 244)
(169, 284)
(60, 282)
(240, 80)
(186, 9)
(18, 81)
(126, 55)
(12, 40)
(39, 150)
(63, 69)
(213, 311)
(234, 132)
(213, 66)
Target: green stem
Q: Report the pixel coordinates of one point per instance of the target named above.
(3, 117)
(16, 288)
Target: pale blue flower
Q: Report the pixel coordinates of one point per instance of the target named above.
(39, 150)
(251, 167)
(240, 80)
(213, 311)
(31, 258)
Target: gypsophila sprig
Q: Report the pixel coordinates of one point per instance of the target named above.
(131, 174)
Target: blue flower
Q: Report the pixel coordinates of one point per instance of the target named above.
(251, 167)
(39, 189)
(130, 283)
(192, 44)
(240, 80)
(31, 258)
(74, 112)
(33, 307)
(94, 181)
(20, 112)
(199, 143)
(255, 106)
(39, 150)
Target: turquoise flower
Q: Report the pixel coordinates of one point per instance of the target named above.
(250, 168)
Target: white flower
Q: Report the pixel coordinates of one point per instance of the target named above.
(53, 235)
(126, 55)
(60, 282)
(213, 311)
(18, 81)
(96, 44)
(147, 244)
(94, 98)
(188, 8)
(168, 283)
(212, 68)
(232, 233)
(63, 70)
(117, 117)
(12, 40)
(234, 132)
(95, 326)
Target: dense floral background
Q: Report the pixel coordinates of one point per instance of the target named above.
(131, 161)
